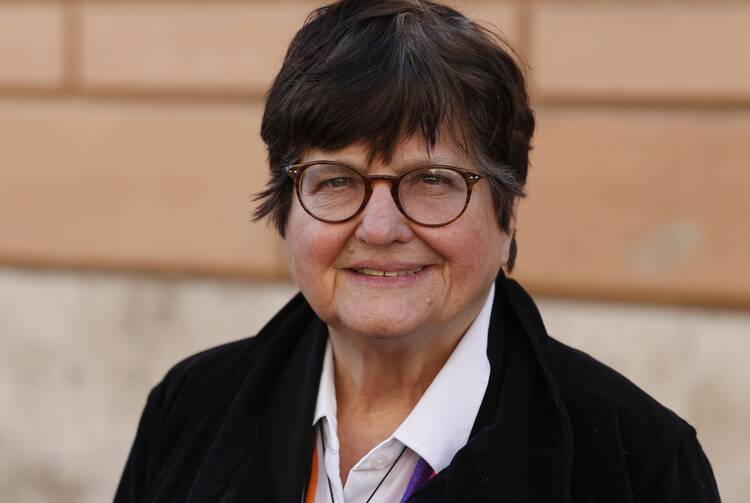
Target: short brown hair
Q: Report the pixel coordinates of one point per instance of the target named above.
(376, 71)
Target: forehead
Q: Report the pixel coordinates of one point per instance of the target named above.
(410, 152)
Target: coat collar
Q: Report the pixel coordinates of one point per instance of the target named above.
(520, 449)
(260, 452)
(520, 446)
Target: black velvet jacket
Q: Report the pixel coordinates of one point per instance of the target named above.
(233, 424)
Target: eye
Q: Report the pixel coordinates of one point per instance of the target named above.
(433, 179)
(432, 182)
(335, 182)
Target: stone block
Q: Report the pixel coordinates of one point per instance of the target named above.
(649, 205)
(31, 44)
(144, 186)
(651, 50)
(186, 46)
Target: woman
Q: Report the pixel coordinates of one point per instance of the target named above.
(410, 367)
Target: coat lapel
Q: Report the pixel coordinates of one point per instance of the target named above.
(286, 428)
(261, 450)
(519, 450)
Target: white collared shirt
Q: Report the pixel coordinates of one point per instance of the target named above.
(436, 428)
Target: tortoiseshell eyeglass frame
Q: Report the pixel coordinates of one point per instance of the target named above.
(295, 171)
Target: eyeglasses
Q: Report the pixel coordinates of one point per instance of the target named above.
(431, 195)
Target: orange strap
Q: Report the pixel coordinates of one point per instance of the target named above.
(313, 484)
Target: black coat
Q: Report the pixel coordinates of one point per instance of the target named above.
(233, 424)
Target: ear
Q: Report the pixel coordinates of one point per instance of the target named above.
(509, 243)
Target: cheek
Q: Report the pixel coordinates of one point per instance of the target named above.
(495, 240)
(481, 251)
(312, 248)
(471, 255)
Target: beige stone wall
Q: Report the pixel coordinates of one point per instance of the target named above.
(80, 352)
(129, 139)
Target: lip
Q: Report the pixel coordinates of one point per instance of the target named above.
(387, 266)
(400, 281)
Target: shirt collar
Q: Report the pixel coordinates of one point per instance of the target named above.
(440, 424)
(325, 404)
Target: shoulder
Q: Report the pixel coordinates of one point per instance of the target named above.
(624, 445)
(187, 408)
(192, 397)
(186, 403)
(591, 388)
(200, 389)
(218, 372)
(620, 429)
(201, 374)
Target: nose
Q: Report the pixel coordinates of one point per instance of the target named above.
(381, 222)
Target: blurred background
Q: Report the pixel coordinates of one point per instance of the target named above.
(129, 153)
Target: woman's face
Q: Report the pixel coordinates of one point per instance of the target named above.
(456, 263)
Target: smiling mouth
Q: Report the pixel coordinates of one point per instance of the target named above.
(389, 274)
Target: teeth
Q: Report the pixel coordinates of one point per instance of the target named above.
(390, 274)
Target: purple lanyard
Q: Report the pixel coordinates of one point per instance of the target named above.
(422, 473)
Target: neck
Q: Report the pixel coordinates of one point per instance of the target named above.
(388, 373)
(377, 385)
(382, 373)
(379, 380)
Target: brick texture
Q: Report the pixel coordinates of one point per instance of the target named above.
(158, 187)
(647, 205)
(204, 46)
(98, 182)
(31, 44)
(667, 50)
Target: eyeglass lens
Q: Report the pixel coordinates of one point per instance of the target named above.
(431, 195)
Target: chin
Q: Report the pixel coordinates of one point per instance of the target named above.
(379, 328)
